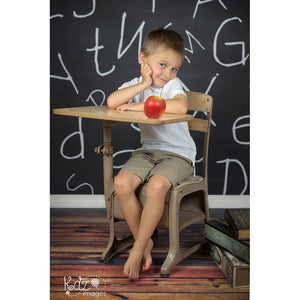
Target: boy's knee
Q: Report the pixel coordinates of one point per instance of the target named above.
(125, 184)
(158, 185)
(120, 183)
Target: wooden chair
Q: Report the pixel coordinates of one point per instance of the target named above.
(185, 204)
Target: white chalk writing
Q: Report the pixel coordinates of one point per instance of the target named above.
(68, 77)
(206, 92)
(242, 44)
(121, 152)
(96, 48)
(79, 186)
(227, 162)
(200, 2)
(168, 25)
(56, 16)
(81, 139)
(153, 6)
(139, 33)
(235, 127)
(88, 14)
(135, 127)
(91, 97)
(191, 50)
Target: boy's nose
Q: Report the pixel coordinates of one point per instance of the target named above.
(167, 73)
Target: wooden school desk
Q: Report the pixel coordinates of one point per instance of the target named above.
(112, 117)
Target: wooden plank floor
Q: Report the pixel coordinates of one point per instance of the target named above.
(78, 237)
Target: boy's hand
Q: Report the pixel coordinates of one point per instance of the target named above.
(131, 107)
(146, 72)
(119, 98)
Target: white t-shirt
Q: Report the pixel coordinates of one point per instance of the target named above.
(173, 137)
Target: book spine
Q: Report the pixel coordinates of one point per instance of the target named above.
(228, 243)
(230, 266)
(238, 223)
(218, 256)
(234, 231)
(240, 270)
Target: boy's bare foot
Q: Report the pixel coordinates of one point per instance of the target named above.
(137, 261)
(147, 259)
(133, 263)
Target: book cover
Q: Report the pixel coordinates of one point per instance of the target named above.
(219, 234)
(239, 222)
(234, 269)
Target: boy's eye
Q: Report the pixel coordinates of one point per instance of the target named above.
(174, 70)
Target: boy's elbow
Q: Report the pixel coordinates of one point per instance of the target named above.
(184, 110)
(180, 109)
(110, 105)
(182, 104)
(110, 102)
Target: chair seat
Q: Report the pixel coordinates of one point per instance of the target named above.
(190, 180)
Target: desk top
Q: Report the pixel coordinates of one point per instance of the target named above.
(105, 113)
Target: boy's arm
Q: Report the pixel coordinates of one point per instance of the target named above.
(177, 105)
(122, 96)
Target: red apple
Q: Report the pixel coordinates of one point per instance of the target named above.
(154, 107)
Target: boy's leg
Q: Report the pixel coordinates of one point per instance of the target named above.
(157, 189)
(125, 185)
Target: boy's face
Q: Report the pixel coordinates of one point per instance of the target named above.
(164, 63)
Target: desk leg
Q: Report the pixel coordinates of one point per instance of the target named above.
(107, 161)
(114, 245)
(106, 149)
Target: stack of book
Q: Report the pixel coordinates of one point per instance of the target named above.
(229, 245)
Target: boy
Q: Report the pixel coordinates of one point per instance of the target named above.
(167, 155)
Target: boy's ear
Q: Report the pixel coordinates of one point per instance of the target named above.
(142, 57)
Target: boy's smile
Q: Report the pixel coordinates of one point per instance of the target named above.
(165, 64)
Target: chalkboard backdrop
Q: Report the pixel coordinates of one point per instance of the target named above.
(94, 49)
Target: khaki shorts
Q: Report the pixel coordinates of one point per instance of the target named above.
(146, 163)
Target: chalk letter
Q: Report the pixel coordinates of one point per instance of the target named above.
(121, 152)
(153, 6)
(191, 50)
(138, 32)
(205, 1)
(96, 49)
(227, 161)
(79, 186)
(206, 92)
(235, 127)
(86, 15)
(68, 77)
(242, 44)
(91, 97)
(56, 16)
(79, 132)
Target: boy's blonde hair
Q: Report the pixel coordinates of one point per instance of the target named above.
(167, 38)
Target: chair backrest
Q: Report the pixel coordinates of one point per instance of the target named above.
(199, 102)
